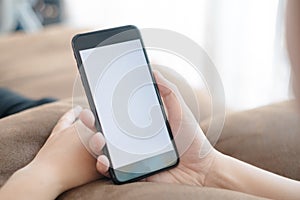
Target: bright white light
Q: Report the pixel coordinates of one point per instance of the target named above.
(239, 37)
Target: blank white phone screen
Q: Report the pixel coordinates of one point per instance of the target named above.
(126, 102)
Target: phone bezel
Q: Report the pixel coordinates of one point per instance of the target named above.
(92, 40)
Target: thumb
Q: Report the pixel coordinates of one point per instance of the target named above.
(171, 99)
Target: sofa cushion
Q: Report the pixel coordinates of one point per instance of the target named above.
(246, 135)
(267, 137)
(104, 189)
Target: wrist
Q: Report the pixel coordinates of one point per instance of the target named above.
(215, 173)
(40, 180)
(206, 166)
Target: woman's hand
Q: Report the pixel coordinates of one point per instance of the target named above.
(64, 154)
(62, 163)
(196, 153)
(200, 164)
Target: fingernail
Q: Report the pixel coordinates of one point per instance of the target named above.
(94, 147)
(77, 108)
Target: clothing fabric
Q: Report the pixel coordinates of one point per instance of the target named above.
(11, 102)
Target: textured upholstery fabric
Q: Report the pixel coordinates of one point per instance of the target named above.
(42, 64)
(23, 134)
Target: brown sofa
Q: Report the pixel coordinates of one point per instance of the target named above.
(42, 64)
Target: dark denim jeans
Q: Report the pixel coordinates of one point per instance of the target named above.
(11, 102)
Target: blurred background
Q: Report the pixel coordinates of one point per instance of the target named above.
(245, 39)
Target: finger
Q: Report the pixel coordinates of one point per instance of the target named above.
(103, 165)
(67, 119)
(168, 92)
(96, 143)
(175, 103)
(183, 124)
(88, 119)
(170, 96)
(163, 84)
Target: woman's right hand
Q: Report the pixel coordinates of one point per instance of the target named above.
(200, 164)
(196, 153)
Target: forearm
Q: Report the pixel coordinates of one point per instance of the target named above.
(30, 184)
(230, 173)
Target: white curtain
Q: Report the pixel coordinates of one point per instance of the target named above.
(244, 38)
(246, 41)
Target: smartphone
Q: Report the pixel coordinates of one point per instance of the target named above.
(124, 97)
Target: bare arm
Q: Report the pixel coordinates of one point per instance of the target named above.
(31, 183)
(230, 173)
(214, 169)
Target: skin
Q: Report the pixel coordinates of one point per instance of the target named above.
(198, 166)
(214, 169)
(47, 171)
(200, 163)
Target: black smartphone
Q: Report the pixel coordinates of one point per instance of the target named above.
(125, 100)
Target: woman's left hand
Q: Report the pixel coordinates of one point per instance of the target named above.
(64, 155)
(62, 163)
